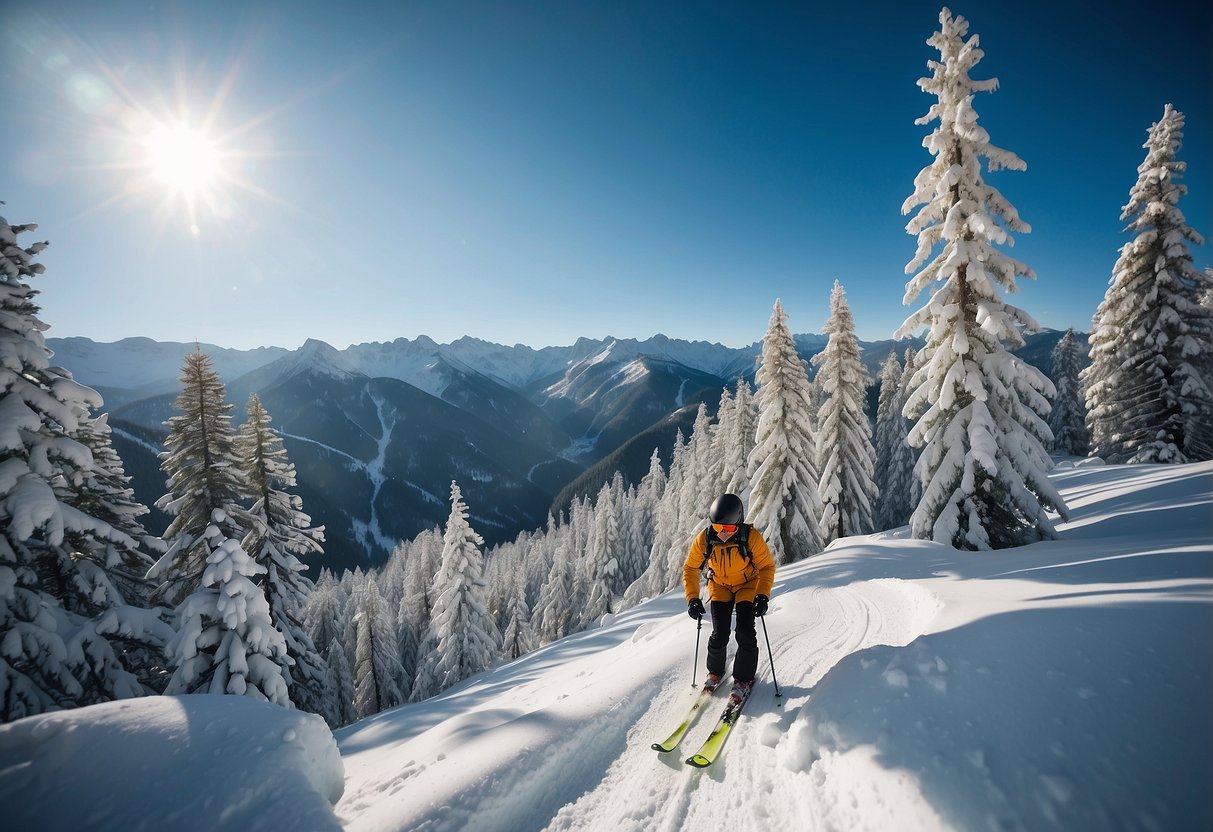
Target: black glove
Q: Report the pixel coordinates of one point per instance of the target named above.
(695, 608)
(760, 605)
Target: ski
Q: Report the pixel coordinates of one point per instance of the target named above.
(711, 746)
(671, 742)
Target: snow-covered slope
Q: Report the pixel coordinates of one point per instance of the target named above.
(1059, 686)
(1063, 685)
(205, 763)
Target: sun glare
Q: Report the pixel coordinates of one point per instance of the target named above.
(183, 159)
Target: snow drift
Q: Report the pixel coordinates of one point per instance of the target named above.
(168, 762)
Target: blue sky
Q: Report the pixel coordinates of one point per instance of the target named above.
(536, 172)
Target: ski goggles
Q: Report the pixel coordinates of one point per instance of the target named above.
(724, 528)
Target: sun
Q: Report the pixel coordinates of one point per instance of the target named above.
(183, 159)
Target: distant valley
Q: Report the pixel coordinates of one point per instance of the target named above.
(378, 431)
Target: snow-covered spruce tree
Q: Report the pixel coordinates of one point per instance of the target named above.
(724, 433)
(601, 561)
(279, 534)
(108, 586)
(462, 640)
(68, 633)
(517, 638)
(1068, 419)
(417, 600)
(377, 672)
(784, 503)
(322, 616)
(1147, 390)
(900, 489)
(890, 429)
(658, 576)
(204, 487)
(227, 643)
(739, 446)
(554, 608)
(983, 465)
(844, 437)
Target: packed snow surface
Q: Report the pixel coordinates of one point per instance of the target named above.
(170, 762)
(1064, 685)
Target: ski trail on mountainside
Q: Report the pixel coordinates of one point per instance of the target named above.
(810, 632)
(575, 755)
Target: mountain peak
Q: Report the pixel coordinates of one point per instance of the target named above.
(320, 358)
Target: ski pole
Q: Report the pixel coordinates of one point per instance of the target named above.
(698, 636)
(778, 695)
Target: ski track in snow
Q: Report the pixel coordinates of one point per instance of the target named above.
(672, 796)
(576, 773)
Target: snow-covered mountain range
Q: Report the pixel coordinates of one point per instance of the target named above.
(379, 430)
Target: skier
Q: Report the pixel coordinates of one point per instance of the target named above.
(741, 573)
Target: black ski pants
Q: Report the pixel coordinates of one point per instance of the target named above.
(745, 663)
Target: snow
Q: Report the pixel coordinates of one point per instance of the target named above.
(166, 762)
(1061, 685)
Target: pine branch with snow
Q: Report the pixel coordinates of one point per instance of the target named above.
(227, 642)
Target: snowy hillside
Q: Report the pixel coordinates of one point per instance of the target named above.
(1060, 686)
(1063, 685)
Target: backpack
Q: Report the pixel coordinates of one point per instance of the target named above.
(741, 537)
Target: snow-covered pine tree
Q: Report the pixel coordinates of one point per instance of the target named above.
(640, 520)
(890, 429)
(784, 503)
(1148, 390)
(279, 534)
(601, 561)
(900, 489)
(377, 672)
(417, 601)
(724, 434)
(699, 488)
(983, 466)
(322, 615)
(68, 633)
(517, 639)
(658, 575)
(554, 609)
(738, 449)
(844, 437)
(463, 636)
(906, 458)
(203, 480)
(107, 583)
(341, 707)
(1068, 419)
(227, 643)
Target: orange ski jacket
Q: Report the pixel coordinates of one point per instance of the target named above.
(731, 575)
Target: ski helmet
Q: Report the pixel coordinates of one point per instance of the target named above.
(727, 510)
